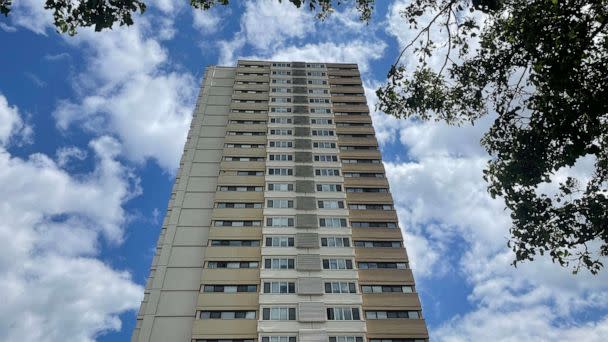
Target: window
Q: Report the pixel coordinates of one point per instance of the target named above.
(238, 205)
(324, 144)
(281, 81)
(321, 121)
(281, 120)
(357, 224)
(235, 243)
(327, 172)
(334, 241)
(343, 314)
(366, 148)
(361, 161)
(363, 175)
(329, 187)
(280, 187)
(326, 158)
(279, 287)
(280, 171)
(381, 244)
(279, 263)
(322, 132)
(231, 223)
(340, 287)
(232, 264)
(280, 143)
(330, 204)
(281, 65)
(227, 314)
(394, 314)
(230, 288)
(318, 91)
(280, 221)
(281, 72)
(280, 110)
(249, 159)
(280, 157)
(281, 90)
(366, 190)
(281, 132)
(279, 241)
(337, 264)
(250, 173)
(371, 206)
(332, 222)
(317, 82)
(318, 100)
(345, 339)
(279, 314)
(245, 133)
(315, 73)
(387, 288)
(243, 145)
(280, 99)
(375, 265)
(279, 203)
(278, 339)
(241, 188)
(320, 110)
(315, 65)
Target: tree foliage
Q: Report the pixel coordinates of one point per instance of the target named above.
(70, 15)
(541, 69)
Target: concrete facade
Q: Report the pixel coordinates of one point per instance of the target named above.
(281, 226)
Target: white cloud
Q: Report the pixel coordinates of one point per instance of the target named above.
(31, 15)
(66, 154)
(12, 126)
(128, 91)
(54, 288)
(206, 21)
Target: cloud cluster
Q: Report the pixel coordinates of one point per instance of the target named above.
(54, 288)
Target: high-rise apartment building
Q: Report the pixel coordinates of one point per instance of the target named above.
(281, 226)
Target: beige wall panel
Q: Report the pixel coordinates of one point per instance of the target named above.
(357, 142)
(237, 214)
(228, 276)
(174, 329)
(251, 87)
(364, 215)
(177, 303)
(347, 90)
(217, 328)
(345, 81)
(244, 63)
(373, 197)
(219, 301)
(379, 276)
(222, 72)
(377, 168)
(250, 96)
(218, 99)
(207, 155)
(380, 254)
(365, 182)
(396, 328)
(204, 169)
(217, 110)
(230, 165)
(236, 139)
(218, 120)
(198, 200)
(250, 106)
(241, 180)
(391, 301)
(190, 236)
(376, 233)
(202, 184)
(210, 143)
(355, 109)
(195, 217)
(343, 72)
(353, 118)
(222, 91)
(355, 130)
(245, 152)
(182, 278)
(246, 233)
(340, 98)
(212, 132)
(235, 196)
(247, 116)
(186, 256)
(246, 127)
(252, 78)
(232, 253)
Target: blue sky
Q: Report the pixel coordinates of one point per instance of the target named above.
(91, 130)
